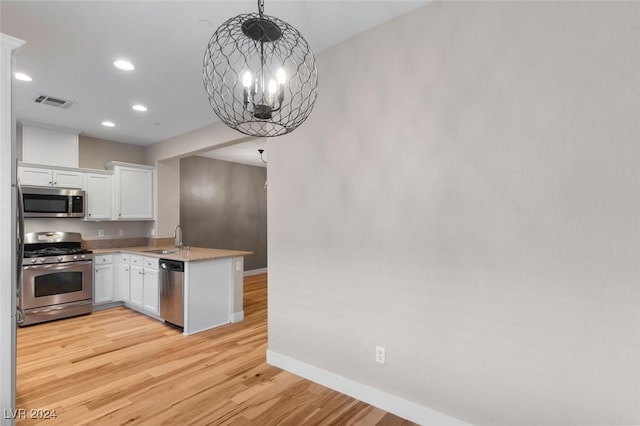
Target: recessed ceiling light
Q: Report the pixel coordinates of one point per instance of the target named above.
(124, 65)
(140, 108)
(108, 124)
(22, 77)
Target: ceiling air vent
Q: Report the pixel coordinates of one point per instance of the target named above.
(51, 101)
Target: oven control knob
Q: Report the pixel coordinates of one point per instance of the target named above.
(60, 259)
(41, 260)
(82, 256)
(34, 260)
(75, 257)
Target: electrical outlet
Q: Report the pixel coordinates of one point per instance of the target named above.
(121, 232)
(380, 355)
(100, 232)
(238, 266)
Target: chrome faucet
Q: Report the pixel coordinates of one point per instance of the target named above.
(177, 236)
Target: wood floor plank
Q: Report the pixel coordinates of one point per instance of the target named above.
(118, 367)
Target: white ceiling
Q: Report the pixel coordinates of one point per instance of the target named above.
(71, 45)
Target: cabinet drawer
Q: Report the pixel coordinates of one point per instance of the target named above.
(125, 258)
(103, 259)
(136, 260)
(151, 262)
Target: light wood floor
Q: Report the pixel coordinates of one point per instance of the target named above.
(119, 367)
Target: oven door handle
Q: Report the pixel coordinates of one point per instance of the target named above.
(65, 265)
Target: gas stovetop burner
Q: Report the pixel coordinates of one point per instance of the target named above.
(54, 247)
(55, 251)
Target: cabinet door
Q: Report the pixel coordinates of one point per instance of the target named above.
(99, 196)
(125, 282)
(136, 285)
(67, 179)
(103, 284)
(32, 176)
(151, 291)
(135, 193)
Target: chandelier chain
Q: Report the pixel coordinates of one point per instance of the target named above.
(261, 7)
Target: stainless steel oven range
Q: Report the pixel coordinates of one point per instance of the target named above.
(57, 280)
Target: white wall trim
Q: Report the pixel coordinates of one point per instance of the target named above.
(376, 397)
(236, 316)
(255, 272)
(8, 271)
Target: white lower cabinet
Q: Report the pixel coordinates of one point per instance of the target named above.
(125, 277)
(151, 296)
(144, 288)
(137, 287)
(103, 279)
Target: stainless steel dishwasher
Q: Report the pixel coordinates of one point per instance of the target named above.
(172, 291)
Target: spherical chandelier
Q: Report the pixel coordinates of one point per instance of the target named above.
(260, 75)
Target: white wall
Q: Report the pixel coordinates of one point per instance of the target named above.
(466, 193)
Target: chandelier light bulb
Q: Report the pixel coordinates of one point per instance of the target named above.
(273, 87)
(281, 76)
(247, 79)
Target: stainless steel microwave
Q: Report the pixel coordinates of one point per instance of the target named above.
(53, 202)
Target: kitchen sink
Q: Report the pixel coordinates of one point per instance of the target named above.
(158, 251)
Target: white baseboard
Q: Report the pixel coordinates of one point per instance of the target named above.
(376, 397)
(255, 272)
(236, 316)
(107, 306)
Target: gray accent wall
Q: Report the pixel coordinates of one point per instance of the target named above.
(224, 205)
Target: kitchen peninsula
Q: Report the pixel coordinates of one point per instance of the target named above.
(213, 282)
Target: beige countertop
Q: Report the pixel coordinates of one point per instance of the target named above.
(193, 254)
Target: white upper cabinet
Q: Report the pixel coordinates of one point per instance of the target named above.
(67, 179)
(99, 190)
(133, 191)
(35, 176)
(49, 145)
(124, 192)
(38, 176)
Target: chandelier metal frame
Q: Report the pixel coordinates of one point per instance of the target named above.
(260, 75)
